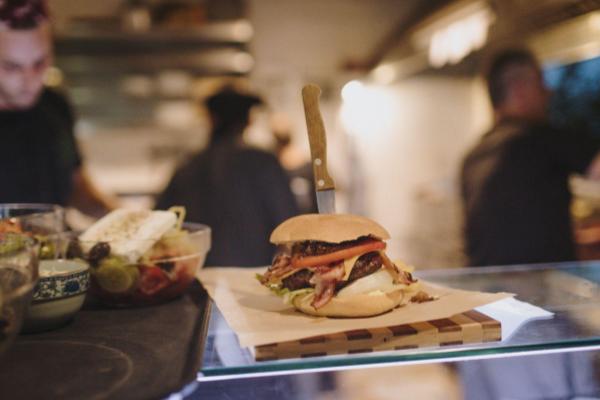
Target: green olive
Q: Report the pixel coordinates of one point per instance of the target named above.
(12, 243)
(47, 251)
(114, 261)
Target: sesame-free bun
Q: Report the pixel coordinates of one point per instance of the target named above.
(354, 304)
(333, 228)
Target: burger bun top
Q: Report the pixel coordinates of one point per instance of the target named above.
(332, 228)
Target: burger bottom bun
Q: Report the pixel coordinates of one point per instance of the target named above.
(358, 305)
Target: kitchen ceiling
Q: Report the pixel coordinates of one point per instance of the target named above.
(319, 37)
(294, 41)
(291, 42)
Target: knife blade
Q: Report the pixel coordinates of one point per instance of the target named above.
(324, 185)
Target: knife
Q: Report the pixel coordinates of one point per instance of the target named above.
(324, 185)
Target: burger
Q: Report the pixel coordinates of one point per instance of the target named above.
(335, 265)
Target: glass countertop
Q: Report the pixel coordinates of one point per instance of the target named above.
(570, 290)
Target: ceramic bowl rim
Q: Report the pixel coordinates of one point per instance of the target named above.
(84, 267)
(81, 273)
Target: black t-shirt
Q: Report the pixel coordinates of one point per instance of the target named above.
(39, 153)
(516, 195)
(241, 193)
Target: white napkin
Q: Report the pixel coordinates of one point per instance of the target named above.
(513, 313)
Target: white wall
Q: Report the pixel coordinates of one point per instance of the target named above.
(411, 160)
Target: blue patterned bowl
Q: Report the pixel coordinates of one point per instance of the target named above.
(61, 278)
(59, 294)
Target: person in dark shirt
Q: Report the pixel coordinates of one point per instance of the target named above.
(515, 184)
(38, 167)
(240, 192)
(516, 199)
(39, 162)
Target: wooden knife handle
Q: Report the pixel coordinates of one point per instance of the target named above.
(316, 137)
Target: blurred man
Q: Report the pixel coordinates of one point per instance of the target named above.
(515, 181)
(294, 162)
(40, 162)
(240, 192)
(516, 199)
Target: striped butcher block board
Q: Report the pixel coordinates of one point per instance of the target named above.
(467, 327)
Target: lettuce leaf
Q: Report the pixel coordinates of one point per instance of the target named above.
(287, 294)
(289, 297)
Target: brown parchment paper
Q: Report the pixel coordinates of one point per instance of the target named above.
(259, 317)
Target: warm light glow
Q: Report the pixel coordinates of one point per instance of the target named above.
(141, 86)
(242, 62)
(384, 74)
(179, 114)
(351, 90)
(53, 77)
(174, 83)
(452, 43)
(138, 19)
(242, 30)
(594, 21)
(366, 110)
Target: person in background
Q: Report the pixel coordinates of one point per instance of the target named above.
(515, 182)
(516, 199)
(40, 162)
(242, 193)
(293, 161)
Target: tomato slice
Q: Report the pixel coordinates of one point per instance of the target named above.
(152, 280)
(324, 259)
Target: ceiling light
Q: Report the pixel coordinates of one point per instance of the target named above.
(455, 32)
(352, 90)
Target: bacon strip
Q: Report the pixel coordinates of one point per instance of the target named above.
(327, 275)
(391, 267)
(398, 275)
(282, 264)
(325, 279)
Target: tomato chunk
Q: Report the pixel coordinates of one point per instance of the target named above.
(324, 259)
(152, 280)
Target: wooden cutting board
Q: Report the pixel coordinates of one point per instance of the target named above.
(467, 327)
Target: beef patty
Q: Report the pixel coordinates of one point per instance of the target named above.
(365, 265)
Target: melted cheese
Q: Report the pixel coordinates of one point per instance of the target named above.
(348, 265)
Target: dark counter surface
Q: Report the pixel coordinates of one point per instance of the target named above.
(135, 353)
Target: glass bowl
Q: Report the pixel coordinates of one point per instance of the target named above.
(33, 218)
(40, 221)
(160, 274)
(18, 277)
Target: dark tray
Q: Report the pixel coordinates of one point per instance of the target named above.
(135, 353)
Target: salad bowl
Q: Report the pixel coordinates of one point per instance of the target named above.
(151, 262)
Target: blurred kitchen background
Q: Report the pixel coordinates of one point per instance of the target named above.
(402, 97)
